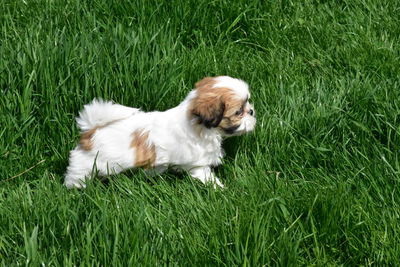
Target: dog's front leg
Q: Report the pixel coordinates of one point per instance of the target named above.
(205, 175)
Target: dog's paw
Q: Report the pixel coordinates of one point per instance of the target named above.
(217, 183)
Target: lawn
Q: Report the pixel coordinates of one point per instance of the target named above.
(317, 182)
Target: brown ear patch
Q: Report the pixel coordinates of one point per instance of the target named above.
(145, 153)
(86, 142)
(208, 108)
(208, 104)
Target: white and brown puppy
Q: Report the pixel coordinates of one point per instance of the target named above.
(187, 137)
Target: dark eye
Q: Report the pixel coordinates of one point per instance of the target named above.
(239, 112)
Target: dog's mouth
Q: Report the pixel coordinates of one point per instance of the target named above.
(245, 127)
(230, 130)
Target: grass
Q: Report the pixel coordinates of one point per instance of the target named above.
(316, 184)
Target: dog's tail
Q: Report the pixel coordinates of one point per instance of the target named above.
(100, 113)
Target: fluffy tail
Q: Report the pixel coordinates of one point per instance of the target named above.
(99, 113)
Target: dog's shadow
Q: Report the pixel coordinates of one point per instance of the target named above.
(231, 146)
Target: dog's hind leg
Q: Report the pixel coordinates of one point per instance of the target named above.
(81, 167)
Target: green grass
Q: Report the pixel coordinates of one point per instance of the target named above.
(316, 184)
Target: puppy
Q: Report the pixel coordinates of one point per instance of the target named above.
(187, 137)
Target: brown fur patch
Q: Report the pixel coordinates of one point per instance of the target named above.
(206, 82)
(86, 141)
(207, 106)
(230, 119)
(145, 153)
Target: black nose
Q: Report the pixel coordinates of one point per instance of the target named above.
(251, 112)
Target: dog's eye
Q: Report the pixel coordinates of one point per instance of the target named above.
(239, 112)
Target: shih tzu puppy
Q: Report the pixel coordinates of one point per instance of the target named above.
(187, 137)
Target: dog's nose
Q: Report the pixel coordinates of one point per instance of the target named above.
(251, 112)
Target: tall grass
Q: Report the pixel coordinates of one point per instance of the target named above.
(317, 183)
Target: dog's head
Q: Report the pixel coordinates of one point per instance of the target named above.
(223, 103)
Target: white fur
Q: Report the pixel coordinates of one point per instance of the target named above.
(240, 87)
(179, 142)
(99, 113)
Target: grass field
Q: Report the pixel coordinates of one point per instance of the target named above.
(317, 183)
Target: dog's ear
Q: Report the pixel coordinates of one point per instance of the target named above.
(207, 106)
(208, 109)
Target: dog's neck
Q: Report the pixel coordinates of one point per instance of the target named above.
(198, 129)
